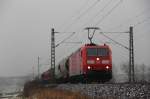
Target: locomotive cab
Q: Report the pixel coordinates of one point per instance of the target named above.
(97, 61)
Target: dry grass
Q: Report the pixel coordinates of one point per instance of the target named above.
(32, 90)
(46, 93)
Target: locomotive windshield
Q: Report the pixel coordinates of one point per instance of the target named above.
(91, 52)
(102, 52)
(97, 52)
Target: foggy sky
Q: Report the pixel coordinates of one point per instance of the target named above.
(25, 27)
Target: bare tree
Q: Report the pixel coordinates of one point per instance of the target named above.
(125, 67)
(140, 71)
(148, 74)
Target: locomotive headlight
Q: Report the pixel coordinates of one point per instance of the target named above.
(97, 59)
(89, 67)
(90, 62)
(105, 61)
(107, 67)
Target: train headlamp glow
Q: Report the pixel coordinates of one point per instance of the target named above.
(97, 59)
(90, 62)
(105, 61)
(107, 67)
(89, 67)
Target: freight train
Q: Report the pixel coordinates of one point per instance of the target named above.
(91, 62)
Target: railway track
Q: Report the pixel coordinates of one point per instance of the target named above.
(107, 90)
(113, 90)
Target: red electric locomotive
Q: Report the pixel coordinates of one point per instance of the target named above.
(90, 62)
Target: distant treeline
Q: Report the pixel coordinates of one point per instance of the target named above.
(142, 72)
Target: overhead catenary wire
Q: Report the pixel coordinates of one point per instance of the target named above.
(82, 14)
(144, 26)
(121, 52)
(65, 32)
(138, 15)
(77, 12)
(141, 22)
(88, 9)
(65, 39)
(116, 32)
(103, 19)
(72, 42)
(100, 11)
(114, 41)
(130, 19)
(108, 13)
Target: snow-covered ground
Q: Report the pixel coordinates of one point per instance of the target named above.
(11, 86)
(10, 92)
(118, 91)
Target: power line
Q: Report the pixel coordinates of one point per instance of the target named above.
(130, 19)
(114, 41)
(79, 11)
(82, 14)
(115, 32)
(65, 32)
(73, 42)
(141, 22)
(114, 45)
(65, 39)
(100, 11)
(145, 25)
(96, 2)
(87, 10)
(121, 53)
(109, 12)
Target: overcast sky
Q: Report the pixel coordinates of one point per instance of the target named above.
(25, 27)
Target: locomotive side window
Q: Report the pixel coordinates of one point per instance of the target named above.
(91, 52)
(103, 52)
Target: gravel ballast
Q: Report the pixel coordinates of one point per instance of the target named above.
(118, 91)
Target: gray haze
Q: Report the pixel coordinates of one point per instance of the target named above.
(25, 27)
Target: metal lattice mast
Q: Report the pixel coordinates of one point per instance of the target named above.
(38, 67)
(131, 74)
(131, 56)
(53, 51)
